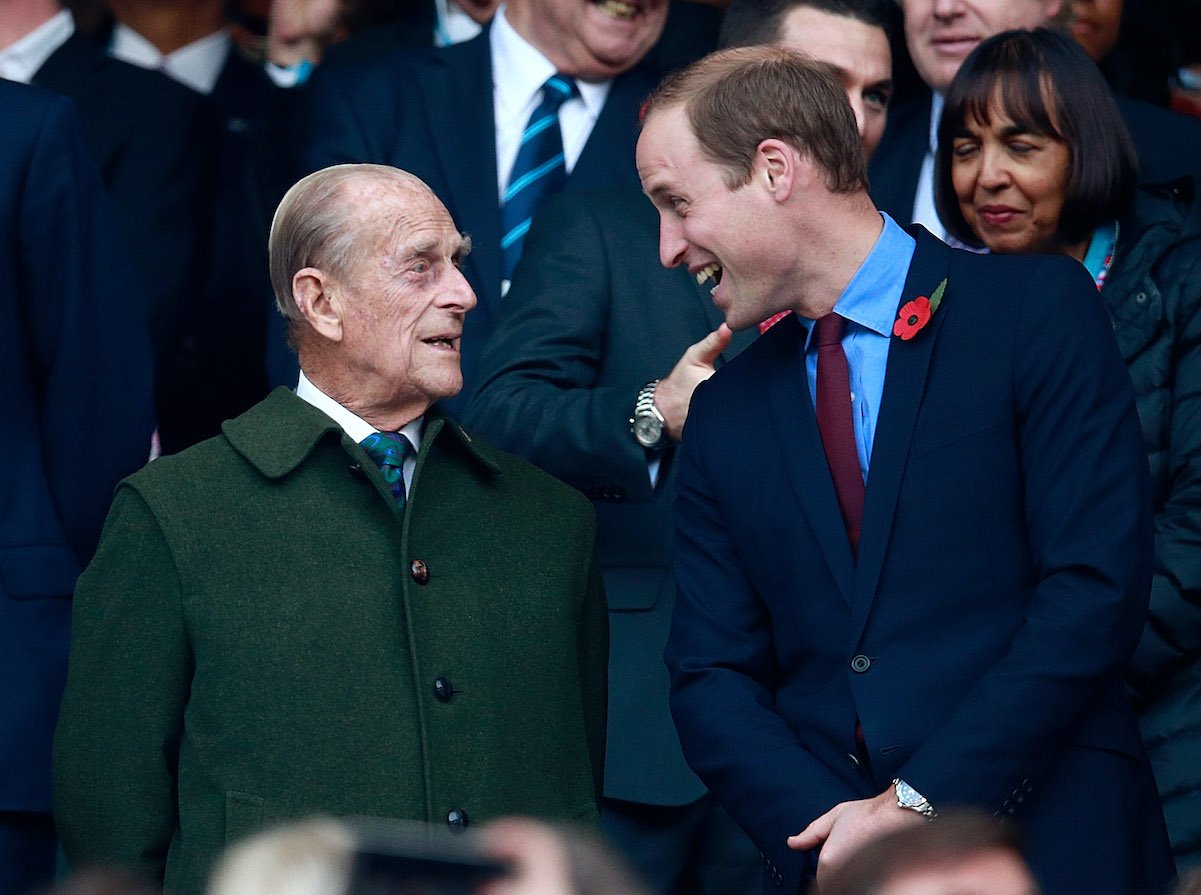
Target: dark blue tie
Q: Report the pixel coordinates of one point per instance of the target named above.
(539, 169)
(389, 450)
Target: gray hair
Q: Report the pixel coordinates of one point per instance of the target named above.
(310, 228)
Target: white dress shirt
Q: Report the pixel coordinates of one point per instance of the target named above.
(518, 73)
(924, 210)
(453, 26)
(22, 58)
(357, 427)
(197, 65)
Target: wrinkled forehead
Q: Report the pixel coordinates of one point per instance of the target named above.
(400, 210)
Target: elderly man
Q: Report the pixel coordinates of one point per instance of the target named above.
(913, 533)
(344, 603)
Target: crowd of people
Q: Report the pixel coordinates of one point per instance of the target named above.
(724, 429)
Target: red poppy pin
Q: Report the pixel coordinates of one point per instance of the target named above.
(914, 315)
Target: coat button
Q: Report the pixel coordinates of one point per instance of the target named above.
(443, 689)
(456, 819)
(420, 571)
(860, 664)
(1141, 298)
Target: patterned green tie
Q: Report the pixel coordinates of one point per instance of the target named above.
(389, 450)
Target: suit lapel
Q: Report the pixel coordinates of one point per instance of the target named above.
(904, 385)
(796, 428)
(456, 86)
(608, 157)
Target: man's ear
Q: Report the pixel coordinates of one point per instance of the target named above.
(776, 168)
(319, 302)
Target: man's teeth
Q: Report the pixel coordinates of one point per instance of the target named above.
(709, 272)
(617, 9)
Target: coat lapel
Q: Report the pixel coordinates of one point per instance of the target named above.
(796, 428)
(904, 385)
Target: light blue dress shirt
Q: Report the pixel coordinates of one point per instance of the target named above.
(869, 304)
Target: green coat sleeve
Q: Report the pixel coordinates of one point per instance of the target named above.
(593, 650)
(117, 743)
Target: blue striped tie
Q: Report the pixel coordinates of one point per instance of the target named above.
(539, 169)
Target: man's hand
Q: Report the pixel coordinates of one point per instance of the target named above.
(849, 825)
(674, 393)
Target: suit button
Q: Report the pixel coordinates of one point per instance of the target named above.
(860, 664)
(443, 689)
(420, 571)
(456, 819)
(1027, 785)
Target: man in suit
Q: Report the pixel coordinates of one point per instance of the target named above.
(344, 604)
(592, 324)
(456, 118)
(939, 37)
(77, 407)
(151, 142)
(914, 539)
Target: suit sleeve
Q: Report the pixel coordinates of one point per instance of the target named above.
(539, 395)
(722, 662)
(1088, 521)
(90, 348)
(1172, 636)
(117, 743)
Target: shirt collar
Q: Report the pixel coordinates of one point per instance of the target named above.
(23, 58)
(197, 65)
(872, 296)
(352, 424)
(936, 104)
(452, 25)
(525, 70)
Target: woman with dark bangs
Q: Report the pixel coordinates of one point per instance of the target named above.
(1033, 156)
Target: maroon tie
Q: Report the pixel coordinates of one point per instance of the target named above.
(836, 424)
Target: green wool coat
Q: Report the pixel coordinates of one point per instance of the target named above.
(253, 642)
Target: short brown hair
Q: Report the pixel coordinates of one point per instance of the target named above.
(737, 98)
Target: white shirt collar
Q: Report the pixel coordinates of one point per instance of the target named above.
(937, 101)
(23, 58)
(197, 65)
(525, 70)
(352, 424)
(453, 25)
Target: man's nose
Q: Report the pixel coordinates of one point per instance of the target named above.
(672, 244)
(458, 295)
(946, 9)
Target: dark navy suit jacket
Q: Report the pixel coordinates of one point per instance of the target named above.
(76, 406)
(431, 113)
(1001, 583)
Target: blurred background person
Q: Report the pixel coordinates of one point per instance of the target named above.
(152, 141)
(78, 410)
(1034, 157)
(962, 854)
(939, 36)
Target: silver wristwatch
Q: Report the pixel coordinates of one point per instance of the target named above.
(908, 797)
(647, 422)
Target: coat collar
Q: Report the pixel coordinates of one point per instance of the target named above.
(278, 434)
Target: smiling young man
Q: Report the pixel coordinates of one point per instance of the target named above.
(913, 539)
(344, 604)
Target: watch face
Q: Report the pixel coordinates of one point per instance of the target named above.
(907, 795)
(648, 430)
